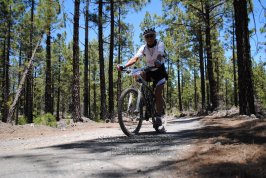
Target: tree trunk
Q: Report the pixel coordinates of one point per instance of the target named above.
(2, 66)
(202, 75)
(20, 87)
(2, 75)
(246, 93)
(207, 86)
(212, 82)
(94, 92)
(48, 82)
(170, 87)
(179, 86)
(6, 89)
(3, 102)
(76, 113)
(226, 93)
(19, 79)
(167, 84)
(89, 87)
(111, 56)
(29, 84)
(103, 113)
(195, 89)
(234, 67)
(216, 71)
(119, 83)
(86, 63)
(59, 87)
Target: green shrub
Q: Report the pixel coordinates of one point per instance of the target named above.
(46, 119)
(22, 120)
(173, 111)
(68, 121)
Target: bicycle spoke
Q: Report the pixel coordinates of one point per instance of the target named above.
(129, 120)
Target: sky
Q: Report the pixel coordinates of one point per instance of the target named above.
(155, 7)
(133, 17)
(259, 38)
(137, 17)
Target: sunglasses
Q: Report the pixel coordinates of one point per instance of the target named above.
(149, 36)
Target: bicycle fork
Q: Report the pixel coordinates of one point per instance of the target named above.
(138, 101)
(129, 104)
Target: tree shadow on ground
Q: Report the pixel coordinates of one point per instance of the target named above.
(154, 145)
(250, 169)
(149, 143)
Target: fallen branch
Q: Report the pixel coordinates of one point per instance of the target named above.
(21, 84)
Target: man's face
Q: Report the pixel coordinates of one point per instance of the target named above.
(150, 39)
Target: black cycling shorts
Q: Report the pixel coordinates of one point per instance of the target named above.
(157, 75)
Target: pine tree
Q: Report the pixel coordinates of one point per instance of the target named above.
(103, 111)
(48, 18)
(76, 113)
(245, 78)
(29, 84)
(111, 56)
(86, 63)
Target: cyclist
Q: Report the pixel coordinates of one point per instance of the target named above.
(153, 51)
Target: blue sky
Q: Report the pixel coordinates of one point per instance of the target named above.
(155, 7)
(259, 38)
(133, 17)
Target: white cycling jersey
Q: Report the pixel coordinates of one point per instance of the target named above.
(151, 54)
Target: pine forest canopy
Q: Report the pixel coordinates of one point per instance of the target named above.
(215, 55)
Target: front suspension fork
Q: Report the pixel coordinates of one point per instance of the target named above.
(138, 101)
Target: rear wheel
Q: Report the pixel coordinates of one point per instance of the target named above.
(130, 119)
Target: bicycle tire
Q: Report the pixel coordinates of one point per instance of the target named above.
(125, 116)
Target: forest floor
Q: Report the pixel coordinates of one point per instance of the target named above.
(224, 146)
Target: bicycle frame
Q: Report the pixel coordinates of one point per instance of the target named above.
(141, 93)
(139, 105)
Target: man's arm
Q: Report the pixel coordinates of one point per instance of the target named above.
(160, 57)
(131, 61)
(161, 52)
(137, 56)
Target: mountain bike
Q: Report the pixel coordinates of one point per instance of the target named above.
(137, 103)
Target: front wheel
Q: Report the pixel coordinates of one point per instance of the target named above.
(162, 128)
(129, 114)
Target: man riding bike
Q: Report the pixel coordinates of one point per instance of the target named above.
(153, 51)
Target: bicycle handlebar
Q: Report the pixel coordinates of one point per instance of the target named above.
(136, 71)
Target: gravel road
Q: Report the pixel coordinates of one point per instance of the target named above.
(104, 152)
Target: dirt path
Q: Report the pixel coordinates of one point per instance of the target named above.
(192, 147)
(101, 152)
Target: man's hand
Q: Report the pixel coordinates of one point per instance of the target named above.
(120, 67)
(158, 63)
